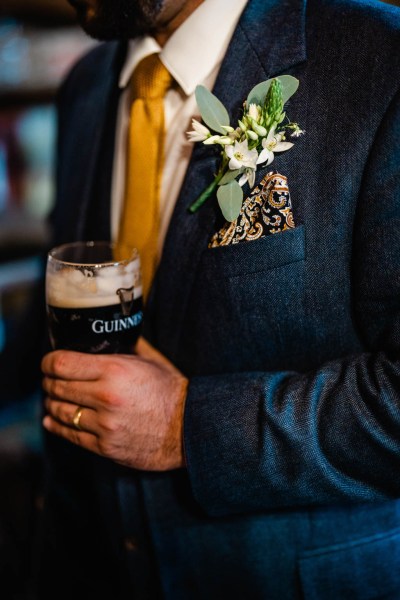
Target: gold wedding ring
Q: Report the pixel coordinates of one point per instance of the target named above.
(77, 417)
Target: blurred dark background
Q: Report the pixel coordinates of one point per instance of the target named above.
(39, 42)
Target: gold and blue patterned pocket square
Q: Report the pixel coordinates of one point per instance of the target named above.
(267, 210)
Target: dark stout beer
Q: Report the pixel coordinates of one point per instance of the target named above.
(98, 329)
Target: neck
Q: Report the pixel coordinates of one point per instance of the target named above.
(174, 21)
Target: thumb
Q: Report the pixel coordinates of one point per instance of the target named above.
(145, 350)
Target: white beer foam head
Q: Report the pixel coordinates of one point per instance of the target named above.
(86, 287)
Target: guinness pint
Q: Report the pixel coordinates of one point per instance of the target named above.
(94, 303)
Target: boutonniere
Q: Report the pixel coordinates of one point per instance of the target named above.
(260, 133)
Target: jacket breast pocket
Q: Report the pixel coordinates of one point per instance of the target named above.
(365, 569)
(264, 254)
(245, 301)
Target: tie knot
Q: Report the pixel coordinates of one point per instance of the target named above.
(150, 78)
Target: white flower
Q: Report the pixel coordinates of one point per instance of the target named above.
(248, 175)
(199, 132)
(240, 156)
(271, 144)
(297, 132)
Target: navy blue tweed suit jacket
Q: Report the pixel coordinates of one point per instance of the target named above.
(291, 342)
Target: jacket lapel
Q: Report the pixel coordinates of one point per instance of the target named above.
(80, 197)
(269, 40)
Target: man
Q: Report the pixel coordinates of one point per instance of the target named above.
(251, 447)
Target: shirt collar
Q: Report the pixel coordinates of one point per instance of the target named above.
(210, 27)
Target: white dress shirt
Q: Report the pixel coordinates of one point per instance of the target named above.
(193, 55)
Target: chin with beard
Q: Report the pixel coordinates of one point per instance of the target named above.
(118, 19)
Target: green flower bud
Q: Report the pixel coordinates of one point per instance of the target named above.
(252, 135)
(282, 117)
(273, 105)
(214, 139)
(227, 128)
(225, 140)
(259, 129)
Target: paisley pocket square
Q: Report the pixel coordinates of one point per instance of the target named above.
(267, 210)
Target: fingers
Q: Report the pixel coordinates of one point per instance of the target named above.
(75, 392)
(65, 412)
(73, 365)
(82, 438)
(82, 426)
(67, 365)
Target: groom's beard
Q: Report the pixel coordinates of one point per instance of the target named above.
(117, 19)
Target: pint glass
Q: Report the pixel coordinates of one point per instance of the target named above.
(94, 302)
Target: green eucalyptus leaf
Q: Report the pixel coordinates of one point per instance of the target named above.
(230, 198)
(230, 176)
(213, 112)
(259, 92)
(289, 86)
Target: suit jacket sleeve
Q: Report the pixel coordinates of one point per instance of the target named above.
(266, 440)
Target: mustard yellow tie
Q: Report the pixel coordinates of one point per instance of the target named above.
(140, 215)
